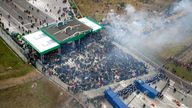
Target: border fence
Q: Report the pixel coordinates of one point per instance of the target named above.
(17, 49)
(11, 43)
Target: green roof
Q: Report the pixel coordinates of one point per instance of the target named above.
(71, 30)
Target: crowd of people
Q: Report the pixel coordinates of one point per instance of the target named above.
(94, 63)
(156, 78)
(30, 19)
(127, 91)
(59, 9)
(32, 16)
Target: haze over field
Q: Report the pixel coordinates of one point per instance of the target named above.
(140, 28)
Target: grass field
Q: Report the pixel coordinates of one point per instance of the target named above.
(34, 94)
(180, 71)
(10, 65)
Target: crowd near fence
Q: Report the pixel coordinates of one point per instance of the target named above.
(11, 43)
(16, 48)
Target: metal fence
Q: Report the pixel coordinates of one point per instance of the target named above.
(14, 46)
(17, 49)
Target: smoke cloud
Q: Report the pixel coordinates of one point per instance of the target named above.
(139, 28)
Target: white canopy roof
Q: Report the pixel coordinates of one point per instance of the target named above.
(41, 42)
(90, 23)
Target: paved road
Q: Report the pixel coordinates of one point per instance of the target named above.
(15, 12)
(16, 8)
(40, 15)
(52, 7)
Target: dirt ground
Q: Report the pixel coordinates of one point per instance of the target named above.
(33, 90)
(102, 7)
(34, 94)
(33, 75)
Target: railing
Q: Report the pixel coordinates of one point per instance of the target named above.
(14, 46)
(17, 49)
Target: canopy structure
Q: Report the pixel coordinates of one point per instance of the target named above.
(91, 23)
(71, 30)
(67, 31)
(50, 37)
(41, 42)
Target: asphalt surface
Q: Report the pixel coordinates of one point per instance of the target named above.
(57, 9)
(17, 9)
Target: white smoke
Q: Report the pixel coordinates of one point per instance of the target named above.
(140, 28)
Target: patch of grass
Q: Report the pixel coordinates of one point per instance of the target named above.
(180, 71)
(10, 64)
(35, 94)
